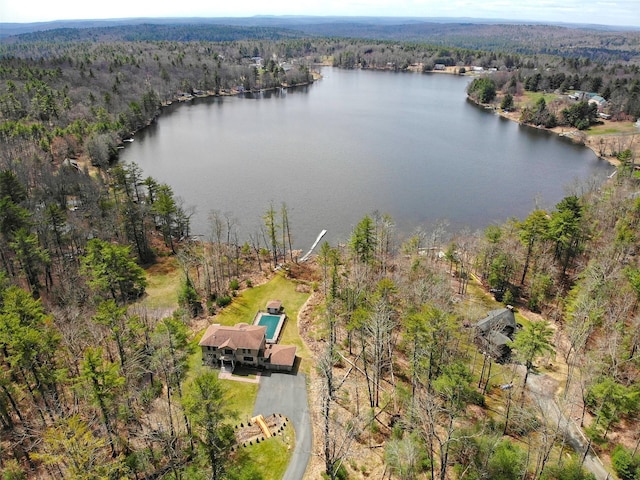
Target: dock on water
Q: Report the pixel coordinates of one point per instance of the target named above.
(315, 244)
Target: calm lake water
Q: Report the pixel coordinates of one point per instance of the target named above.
(356, 142)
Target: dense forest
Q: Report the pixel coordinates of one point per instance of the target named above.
(93, 384)
(594, 42)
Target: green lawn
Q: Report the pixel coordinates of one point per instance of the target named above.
(244, 307)
(477, 294)
(530, 98)
(242, 397)
(613, 128)
(272, 456)
(163, 282)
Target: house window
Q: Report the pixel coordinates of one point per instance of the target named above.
(228, 351)
(248, 359)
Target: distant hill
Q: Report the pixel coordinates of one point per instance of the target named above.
(285, 21)
(596, 42)
(183, 32)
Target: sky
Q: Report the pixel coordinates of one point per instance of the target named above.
(604, 12)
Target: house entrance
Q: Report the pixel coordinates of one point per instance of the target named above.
(226, 366)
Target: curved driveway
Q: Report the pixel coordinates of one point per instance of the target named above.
(287, 394)
(574, 435)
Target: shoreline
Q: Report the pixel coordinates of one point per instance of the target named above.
(185, 98)
(597, 143)
(84, 162)
(594, 142)
(230, 93)
(576, 136)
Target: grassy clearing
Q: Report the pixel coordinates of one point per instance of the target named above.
(477, 294)
(272, 455)
(242, 397)
(244, 307)
(522, 320)
(530, 98)
(163, 281)
(613, 128)
(500, 373)
(602, 131)
(195, 366)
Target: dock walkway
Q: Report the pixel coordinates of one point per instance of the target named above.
(315, 244)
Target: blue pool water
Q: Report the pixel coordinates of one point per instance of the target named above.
(271, 322)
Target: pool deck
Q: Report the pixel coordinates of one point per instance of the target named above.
(276, 335)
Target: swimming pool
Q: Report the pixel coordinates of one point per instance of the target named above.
(273, 323)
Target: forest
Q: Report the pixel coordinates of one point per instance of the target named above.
(95, 382)
(595, 42)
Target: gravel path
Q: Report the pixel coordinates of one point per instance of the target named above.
(287, 394)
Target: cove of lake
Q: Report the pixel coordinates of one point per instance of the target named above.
(356, 142)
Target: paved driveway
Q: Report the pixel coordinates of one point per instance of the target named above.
(575, 436)
(287, 394)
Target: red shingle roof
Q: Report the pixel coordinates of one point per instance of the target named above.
(238, 336)
(274, 305)
(281, 354)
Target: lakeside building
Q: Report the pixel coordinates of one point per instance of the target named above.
(495, 332)
(244, 345)
(247, 345)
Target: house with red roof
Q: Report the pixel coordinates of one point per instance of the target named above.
(244, 345)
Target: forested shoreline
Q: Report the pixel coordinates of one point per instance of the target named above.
(85, 368)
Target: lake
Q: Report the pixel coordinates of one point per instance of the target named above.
(356, 142)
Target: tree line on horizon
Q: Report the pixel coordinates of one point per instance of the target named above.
(603, 44)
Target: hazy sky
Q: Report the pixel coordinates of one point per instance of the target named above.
(607, 12)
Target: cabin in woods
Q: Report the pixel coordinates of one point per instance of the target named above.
(495, 331)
